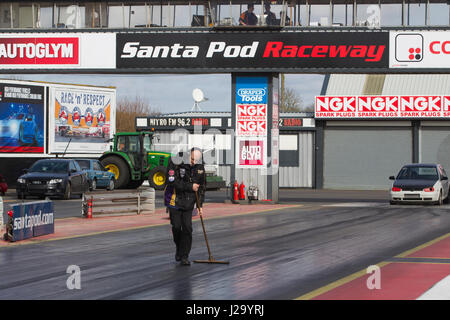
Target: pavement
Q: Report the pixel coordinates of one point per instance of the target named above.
(66, 228)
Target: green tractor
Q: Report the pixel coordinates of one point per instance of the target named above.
(132, 161)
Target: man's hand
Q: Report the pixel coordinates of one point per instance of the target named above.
(200, 211)
(195, 187)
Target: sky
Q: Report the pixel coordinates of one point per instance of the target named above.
(177, 97)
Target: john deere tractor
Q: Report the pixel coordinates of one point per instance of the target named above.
(132, 161)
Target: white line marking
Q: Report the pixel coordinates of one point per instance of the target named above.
(440, 291)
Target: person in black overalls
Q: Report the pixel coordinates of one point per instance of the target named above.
(183, 180)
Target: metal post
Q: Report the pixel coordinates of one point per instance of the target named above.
(331, 13)
(427, 12)
(308, 13)
(403, 13)
(355, 13)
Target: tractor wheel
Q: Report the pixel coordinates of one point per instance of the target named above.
(120, 169)
(157, 178)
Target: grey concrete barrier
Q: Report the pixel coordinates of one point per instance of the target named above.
(119, 202)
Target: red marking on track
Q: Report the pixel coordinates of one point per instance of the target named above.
(399, 281)
(440, 249)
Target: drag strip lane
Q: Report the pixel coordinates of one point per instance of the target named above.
(273, 255)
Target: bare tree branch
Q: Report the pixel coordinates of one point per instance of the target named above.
(127, 111)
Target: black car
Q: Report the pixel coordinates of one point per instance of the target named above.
(52, 177)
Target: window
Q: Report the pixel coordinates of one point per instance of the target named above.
(96, 166)
(418, 173)
(84, 164)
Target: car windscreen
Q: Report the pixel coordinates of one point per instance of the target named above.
(50, 167)
(84, 164)
(418, 173)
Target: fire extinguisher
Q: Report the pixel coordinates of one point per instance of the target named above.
(241, 191)
(236, 191)
(89, 213)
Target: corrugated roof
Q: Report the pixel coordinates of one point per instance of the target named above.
(394, 84)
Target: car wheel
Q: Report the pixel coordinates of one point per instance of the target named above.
(440, 200)
(392, 202)
(111, 185)
(68, 192)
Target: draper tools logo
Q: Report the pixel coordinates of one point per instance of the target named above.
(409, 47)
(39, 51)
(252, 95)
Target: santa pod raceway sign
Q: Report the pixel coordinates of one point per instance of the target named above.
(376, 107)
(32, 219)
(238, 51)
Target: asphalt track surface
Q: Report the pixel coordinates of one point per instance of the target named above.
(279, 254)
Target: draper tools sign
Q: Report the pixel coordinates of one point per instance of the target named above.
(21, 118)
(345, 107)
(241, 51)
(251, 121)
(80, 119)
(32, 219)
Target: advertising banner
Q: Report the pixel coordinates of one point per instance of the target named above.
(22, 117)
(428, 49)
(57, 50)
(382, 107)
(81, 119)
(251, 122)
(251, 153)
(244, 51)
(32, 219)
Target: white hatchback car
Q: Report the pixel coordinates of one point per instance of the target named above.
(420, 183)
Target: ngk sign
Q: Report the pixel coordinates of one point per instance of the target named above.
(251, 120)
(382, 107)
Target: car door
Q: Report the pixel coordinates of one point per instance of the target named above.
(76, 177)
(101, 179)
(445, 183)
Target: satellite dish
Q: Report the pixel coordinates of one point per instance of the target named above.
(198, 95)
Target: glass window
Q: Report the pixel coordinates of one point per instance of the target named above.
(96, 166)
(117, 16)
(50, 166)
(391, 15)
(417, 14)
(44, 17)
(439, 14)
(320, 15)
(418, 173)
(5, 15)
(84, 164)
(138, 16)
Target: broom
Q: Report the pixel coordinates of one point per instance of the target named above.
(211, 258)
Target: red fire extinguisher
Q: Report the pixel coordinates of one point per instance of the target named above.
(236, 191)
(241, 191)
(89, 213)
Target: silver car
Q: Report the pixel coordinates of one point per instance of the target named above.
(420, 183)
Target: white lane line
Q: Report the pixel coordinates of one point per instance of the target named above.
(440, 291)
(355, 204)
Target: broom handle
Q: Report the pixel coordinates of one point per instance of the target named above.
(203, 226)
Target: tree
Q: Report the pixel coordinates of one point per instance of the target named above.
(289, 100)
(127, 111)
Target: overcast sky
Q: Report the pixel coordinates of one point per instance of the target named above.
(173, 93)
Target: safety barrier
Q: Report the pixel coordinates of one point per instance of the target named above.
(118, 202)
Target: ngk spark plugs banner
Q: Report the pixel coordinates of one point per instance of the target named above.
(238, 51)
(81, 120)
(57, 50)
(370, 107)
(32, 219)
(251, 121)
(412, 49)
(21, 118)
